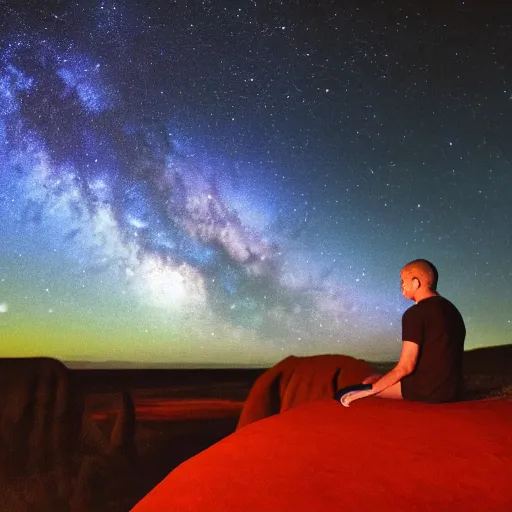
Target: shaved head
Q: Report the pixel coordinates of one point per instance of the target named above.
(423, 270)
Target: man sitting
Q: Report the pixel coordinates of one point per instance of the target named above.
(433, 334)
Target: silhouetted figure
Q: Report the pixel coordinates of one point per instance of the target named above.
(433, 334)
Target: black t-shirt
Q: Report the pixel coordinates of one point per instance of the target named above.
(436, 325)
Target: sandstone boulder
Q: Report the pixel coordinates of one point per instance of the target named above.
(297, 380)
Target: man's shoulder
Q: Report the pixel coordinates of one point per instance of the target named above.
(425, 305)
(437, 302)
(411, 311)
(439, 306)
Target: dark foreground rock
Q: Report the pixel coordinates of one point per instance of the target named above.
(53, 457)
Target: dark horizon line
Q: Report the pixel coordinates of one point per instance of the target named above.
(134, 365)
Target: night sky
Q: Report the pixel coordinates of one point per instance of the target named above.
(236, 181)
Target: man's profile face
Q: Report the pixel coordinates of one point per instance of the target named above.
(406, 284)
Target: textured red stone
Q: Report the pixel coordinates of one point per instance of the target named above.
(378, 454)
(298, 380)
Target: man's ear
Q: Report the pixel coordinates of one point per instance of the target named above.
(418, 283)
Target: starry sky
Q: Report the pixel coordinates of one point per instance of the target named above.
(230, 182)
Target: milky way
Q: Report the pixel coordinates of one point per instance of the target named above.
(206, 184)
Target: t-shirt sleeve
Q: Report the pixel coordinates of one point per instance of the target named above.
(412, 326)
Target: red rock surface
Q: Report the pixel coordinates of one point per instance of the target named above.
(378, 454)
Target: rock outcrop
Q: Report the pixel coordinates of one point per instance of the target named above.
(297, 380)
(50, 450)
(379, 454)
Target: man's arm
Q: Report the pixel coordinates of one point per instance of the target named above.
(405, 366)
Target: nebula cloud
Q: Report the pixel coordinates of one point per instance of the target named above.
(229, 183)
(118, 189)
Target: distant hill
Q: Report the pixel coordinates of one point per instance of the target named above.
(132, 365)
(490, 355)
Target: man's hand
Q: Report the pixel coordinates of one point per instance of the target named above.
(349, 397)
(405, 366)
